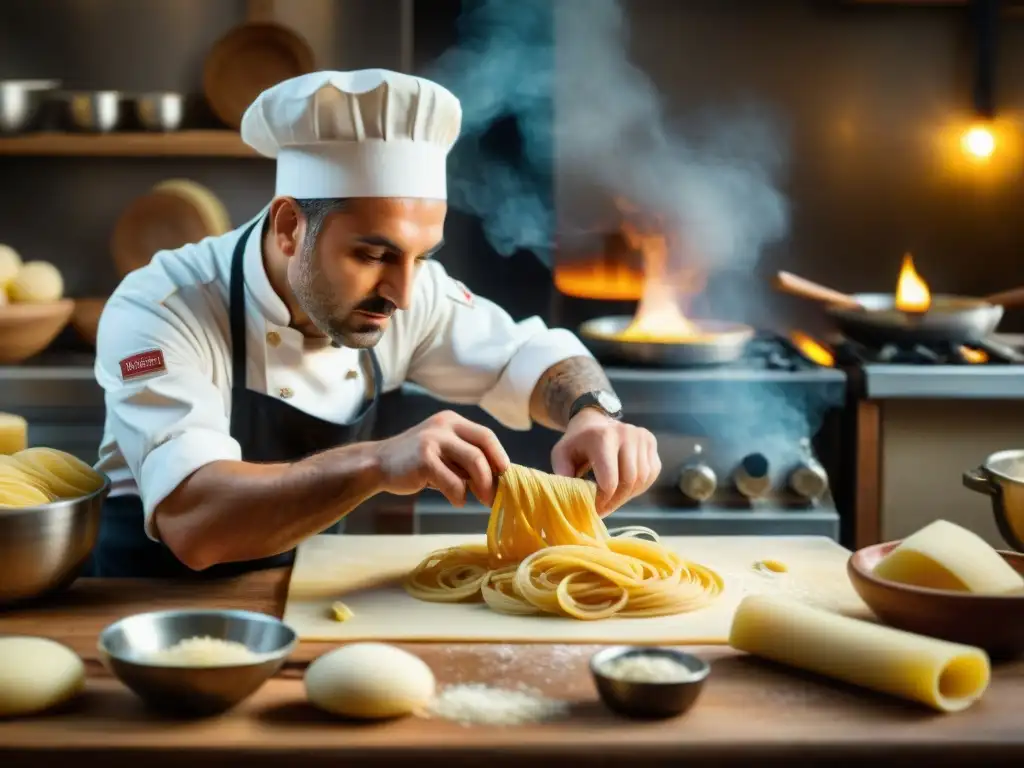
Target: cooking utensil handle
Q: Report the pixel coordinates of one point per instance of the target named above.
(798, 286)
(976, 481)
(1011, 298)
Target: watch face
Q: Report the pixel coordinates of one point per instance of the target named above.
(609, 402)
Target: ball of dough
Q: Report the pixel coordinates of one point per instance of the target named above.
(37, 674)
(369, 680)
(10, 263)
(37, 281)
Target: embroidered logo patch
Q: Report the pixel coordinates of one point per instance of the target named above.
(460, 293)
(142, 364)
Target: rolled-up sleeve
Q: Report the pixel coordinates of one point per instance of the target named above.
(470, 350)
(171, 422)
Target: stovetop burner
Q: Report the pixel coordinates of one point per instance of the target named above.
(988, 352)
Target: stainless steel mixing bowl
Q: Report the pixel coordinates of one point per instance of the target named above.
(126, 646)
(43, 549)
(648, 699)
(95, 111)
(160, 111)
(21, 102)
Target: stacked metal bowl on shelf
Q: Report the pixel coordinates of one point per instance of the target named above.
(24, 102)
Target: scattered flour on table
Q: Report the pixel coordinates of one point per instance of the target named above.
(478, 704)
(506, 666)
(764, 582)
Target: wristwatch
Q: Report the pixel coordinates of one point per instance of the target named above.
(601, 399)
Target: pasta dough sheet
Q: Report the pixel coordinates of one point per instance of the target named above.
(365, 573)
(946, 676)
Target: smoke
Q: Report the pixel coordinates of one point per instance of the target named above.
(582, 107)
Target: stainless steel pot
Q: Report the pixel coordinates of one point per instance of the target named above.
(43, 549)
(1001, 477)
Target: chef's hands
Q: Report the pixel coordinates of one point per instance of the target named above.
(447, 452)
(624, 458)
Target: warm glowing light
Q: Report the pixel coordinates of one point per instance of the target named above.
(599, 279)
(979, 142)
(974, 356)
(912, 294)
(812, 350)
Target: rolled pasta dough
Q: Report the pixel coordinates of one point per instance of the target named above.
(369, 680)
(37, 674)
(946, 676)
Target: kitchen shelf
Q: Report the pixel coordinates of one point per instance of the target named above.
(214, 143)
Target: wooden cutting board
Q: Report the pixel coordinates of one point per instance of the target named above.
(365, 572)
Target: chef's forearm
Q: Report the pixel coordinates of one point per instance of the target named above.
(559, 387)
(229, 511)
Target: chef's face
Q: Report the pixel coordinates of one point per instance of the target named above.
(351, 276)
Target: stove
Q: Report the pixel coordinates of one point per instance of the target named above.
(741, 445)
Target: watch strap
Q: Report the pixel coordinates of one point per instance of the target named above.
(593, 400)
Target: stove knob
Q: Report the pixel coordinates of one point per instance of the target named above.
(751, 477)
(809, 479)
(698, 481)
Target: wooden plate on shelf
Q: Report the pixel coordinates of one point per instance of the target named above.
(158, 220)
(248, 60)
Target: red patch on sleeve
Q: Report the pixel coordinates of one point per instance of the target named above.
(143, 364)
(465, 292)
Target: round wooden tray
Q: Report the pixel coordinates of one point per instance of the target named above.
(156, 221)
(248, 60)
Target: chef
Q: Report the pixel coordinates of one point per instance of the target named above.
(242, 373)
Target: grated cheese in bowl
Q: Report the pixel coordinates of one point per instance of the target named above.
(649, 668)
(478, 704)
(203, 652)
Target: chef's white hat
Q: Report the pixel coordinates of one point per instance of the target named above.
(369, 133)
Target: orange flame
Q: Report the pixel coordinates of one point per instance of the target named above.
(598, 279)
(812, 350)
(912, 294)
(659, 317)
(974, 356)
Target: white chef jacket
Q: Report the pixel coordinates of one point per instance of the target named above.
(162, 427)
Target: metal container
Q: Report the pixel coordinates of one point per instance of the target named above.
(1001, 476)
(125, 646)
(646, 699)
(21, 101)
(162, 111)
(723, 343)
(43, 549)
(95, 111)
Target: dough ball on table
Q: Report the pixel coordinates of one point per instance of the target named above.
(37, 674)
(37, 281)
(369, 681)
(10, 263)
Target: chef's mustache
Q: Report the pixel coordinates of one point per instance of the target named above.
(377, 306)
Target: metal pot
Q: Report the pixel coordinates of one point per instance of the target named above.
(1001, 477)
(43, 549)
(723, 343)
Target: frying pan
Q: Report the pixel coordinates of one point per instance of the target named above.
(872, 318)
(722, 343)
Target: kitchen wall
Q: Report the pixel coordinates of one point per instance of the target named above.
(863, 94)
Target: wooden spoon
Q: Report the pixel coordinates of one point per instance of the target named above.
(789, 283)
(1011, 298)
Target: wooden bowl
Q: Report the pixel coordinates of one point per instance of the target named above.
(27, 329)
(85, 318)
(248, 60)
(159, 220)
(992, 622)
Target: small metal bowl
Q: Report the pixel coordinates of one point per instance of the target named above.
(160, 111)
(125, 647)
(648, 700)
(21, 103)
(95, 111)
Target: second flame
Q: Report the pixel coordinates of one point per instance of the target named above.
(912, 294)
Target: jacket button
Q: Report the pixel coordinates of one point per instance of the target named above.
(273, 338)
(351, 373)
(285, 392)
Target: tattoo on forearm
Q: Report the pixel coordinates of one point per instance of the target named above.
(560, 385)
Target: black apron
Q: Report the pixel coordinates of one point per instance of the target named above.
(268, 430)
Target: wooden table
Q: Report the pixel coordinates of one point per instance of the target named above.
(750, 713)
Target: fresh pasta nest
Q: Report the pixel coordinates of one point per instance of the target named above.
(36, 476)
(548, 552)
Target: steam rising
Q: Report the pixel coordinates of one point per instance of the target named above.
(613, 140)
